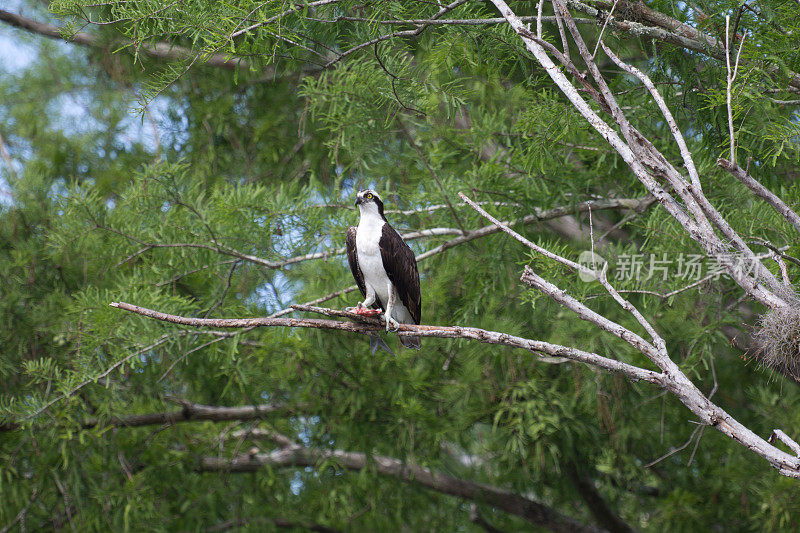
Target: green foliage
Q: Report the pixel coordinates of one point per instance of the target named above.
(206, 201)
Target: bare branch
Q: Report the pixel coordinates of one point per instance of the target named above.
(637, 204)
(436, 207)
(191, 412)
(583, 312)
(730, 78)
(265, 434)
(673, 451)
(786, 439)
(539, 10)
(662, 106)
(762, 192)
(366, 326)
(646, 160)
(603, 29)
(319, 300)
(408, 472)
(663, 28)
(447, 22)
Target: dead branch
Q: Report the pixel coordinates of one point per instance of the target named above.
(786, 439)
(647, 162)
(675, 381)
(365, 326)
(539, 215)
(282, 523)
(762, 192)
(672, 378)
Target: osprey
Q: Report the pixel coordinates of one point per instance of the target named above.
(384, 267)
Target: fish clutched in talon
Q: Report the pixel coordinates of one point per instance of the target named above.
(363, 311)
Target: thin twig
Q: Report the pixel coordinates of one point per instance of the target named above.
(673, 451)
(433, 174)
(730, 78)
(7, 159)
(603, 29)
(161, 340)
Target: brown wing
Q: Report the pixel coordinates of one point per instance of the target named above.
(401, 267)
(352, 258)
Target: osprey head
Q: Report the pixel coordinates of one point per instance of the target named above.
(369, 201)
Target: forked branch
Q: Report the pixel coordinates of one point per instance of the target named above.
(674, 379)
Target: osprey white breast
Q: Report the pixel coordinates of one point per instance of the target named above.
(384, 268)
(370, 229)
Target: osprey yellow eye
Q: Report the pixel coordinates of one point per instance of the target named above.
(369, 196)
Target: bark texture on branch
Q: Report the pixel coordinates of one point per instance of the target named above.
(373, 325)
(762, 192)
(697, 216)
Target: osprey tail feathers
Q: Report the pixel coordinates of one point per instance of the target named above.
(376, 342)
(411, 342)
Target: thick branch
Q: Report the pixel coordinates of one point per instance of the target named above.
(371, 325)
(530, 510)
(160, 50)
(673, 380)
